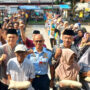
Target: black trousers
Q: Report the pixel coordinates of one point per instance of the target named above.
(41, 82)
(3, 86)
(53, 42)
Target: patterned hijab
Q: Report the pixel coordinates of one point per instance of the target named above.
(65, 70)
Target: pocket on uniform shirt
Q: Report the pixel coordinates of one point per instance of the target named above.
(33, 59)
(44, 60)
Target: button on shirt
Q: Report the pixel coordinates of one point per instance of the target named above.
(20, 72)
(41, 60)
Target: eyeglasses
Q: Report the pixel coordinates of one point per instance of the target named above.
(40, 41)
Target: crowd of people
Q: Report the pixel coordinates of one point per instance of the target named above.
(23, 59)
(65, 35)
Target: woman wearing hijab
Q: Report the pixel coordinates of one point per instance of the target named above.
(85, 44)
(68, 68)
(84, 63)
(78, 38)
(85, 40)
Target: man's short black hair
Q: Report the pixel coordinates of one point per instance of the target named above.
(68, 32)
(12, 31)
(36, 32)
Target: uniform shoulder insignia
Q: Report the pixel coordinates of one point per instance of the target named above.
(49, 50)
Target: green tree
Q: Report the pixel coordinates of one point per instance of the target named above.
(73, 3)
(57, 2)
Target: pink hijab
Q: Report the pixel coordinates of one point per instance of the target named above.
(65, 70)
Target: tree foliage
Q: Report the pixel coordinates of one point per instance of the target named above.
(57, 2)
(71, 0)
(73, 3)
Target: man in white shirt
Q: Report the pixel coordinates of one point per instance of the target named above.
(19, 68)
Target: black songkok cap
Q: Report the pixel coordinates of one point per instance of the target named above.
(12, 31)
(68, 32)
(36, 32)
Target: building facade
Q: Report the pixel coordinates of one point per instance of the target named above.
(14, 1)
(26, 1)
(12, 5)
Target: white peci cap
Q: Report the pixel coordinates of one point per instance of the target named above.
(20, 47)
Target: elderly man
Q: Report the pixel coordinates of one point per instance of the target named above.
(19, 68)
(41, 57)
(7, 52)
(67, 43)
(28, 42)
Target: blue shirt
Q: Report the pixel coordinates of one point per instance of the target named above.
(40, 60)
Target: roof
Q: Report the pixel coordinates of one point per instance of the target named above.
(64, 6)
(27, 7)
(49, 6)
